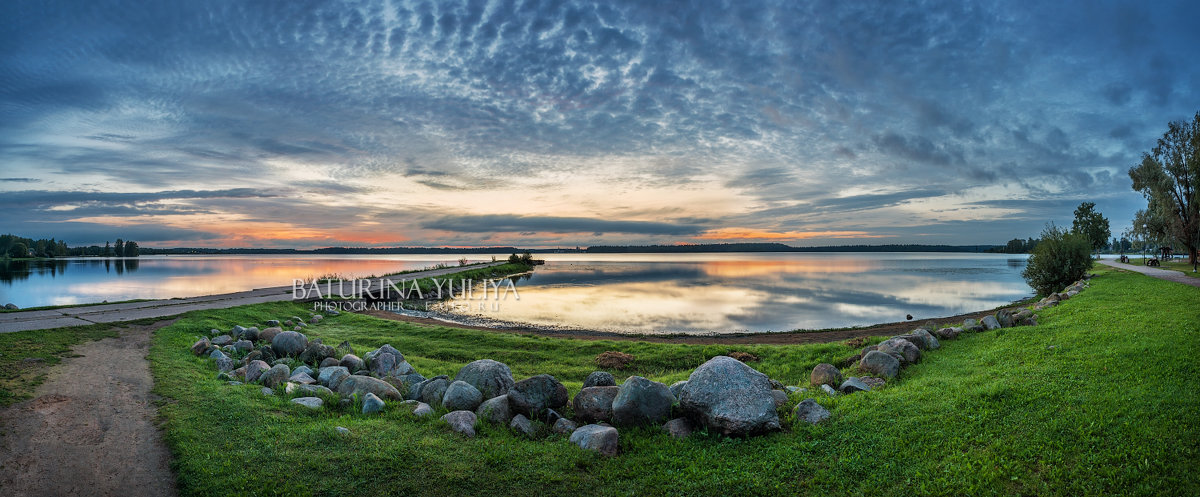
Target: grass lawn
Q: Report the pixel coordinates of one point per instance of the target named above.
(1101, 398)
(26, 355)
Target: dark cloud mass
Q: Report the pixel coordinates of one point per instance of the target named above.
(815, 114)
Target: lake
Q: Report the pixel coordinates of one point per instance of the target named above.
(636, 293)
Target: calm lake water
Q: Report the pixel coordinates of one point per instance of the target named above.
(641, 293)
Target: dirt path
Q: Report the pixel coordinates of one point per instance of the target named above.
(785, 338)
(1162, 274)
(90, 429)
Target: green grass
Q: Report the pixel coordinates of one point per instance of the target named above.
(18, 377)
(1100, 399)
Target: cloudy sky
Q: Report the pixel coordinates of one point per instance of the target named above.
(562, 123)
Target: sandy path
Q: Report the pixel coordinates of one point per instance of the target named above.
(90, 428)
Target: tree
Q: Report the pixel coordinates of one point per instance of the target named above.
(18, 250)
(1092, 225)
(108, 251)
(1060, 258)
(1169, 178)
(119, 248)
(131, 249)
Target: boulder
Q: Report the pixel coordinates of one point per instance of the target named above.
(922, 338)
(489, 377)
(563, 426)
(309, 402)
(948, 333)
(602, 439)
(275, 376)
(599, 379)
(301, 378)
(316, 353)
(677, 387)
(810, 412)
(880, 364)
(791, 389)
(423, 410)
(678, 427)
(249, 334)
(434, 390)
(387, 361)
(332, 376)
(303, 369)
(327, 362)
(362, 385)
(780, 397)
(462, 422)
(872, 381)
(352, 363)
(594, 404)
(901, 349)
(404, 383)
(641, 401)
(550, 416)
(495, 410)
(267, 392)
(307, 390)
(289, 344)
(224, 364)
(344, 348)
(1029, 321)
(972, 326)
(1004, 317)
(830, 391)
(1022, 315)
(461, 396)
(266, 354)
(990, 323)
(531, 395)
(254, 369)
(853, 384)
(522, 425)
(222, 340)
(272, 322)
(201, 346)
(825, 374)
(341, 430)
(730, 397)
(243, 345)
(267, 335)
(372, 404)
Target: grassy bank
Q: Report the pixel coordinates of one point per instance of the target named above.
(25, 356)
(429, 286)
(1099, 399)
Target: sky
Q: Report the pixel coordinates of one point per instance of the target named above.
(562, 123)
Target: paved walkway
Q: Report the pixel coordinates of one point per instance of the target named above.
(111, 313)
(1162, 274)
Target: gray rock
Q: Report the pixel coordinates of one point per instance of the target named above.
(641, 401)
(243, 345)
(250, 334)
(948, 333)
(677, 387)
(341, 430)
(201, 346)
(224, 363)
(461, 422)
(266, 354)
(234, 383)
(303, 369)
(990, 323)
(289, 344)
(781, 398)
(880, 364)
(352, 363)
(730, 397)
(434, 390)
(791, 389)
(387, 361)
(810, 412)
(1030, 321)
(531, 395)
(222, 340)
(317, 353)
(268, 334)
(489, 377)
(254, 369)
(522, 425)
(828, 390)
(267, 391)
(1004, 317)
(405, 383)
(301, 378)
(237, 330)
(921, 338)
(900, 349)
(423, 410)
(825, 374)
(563, 426)
(550, 416)
(272, 322)
(853, 384)
(602, 439)
(327, 362)
(275, 376)
(361, 385)
(872, 381)
(594, 404)
(678, 427)
(332, 376)
(461, 396)
(495, 410)
(344, 348)
(599, 379)
(306, 390)
(372, 404)
(309, 402)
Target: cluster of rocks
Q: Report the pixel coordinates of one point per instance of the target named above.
(1070, 291)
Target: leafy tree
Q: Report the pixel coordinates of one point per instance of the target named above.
(18, 250)
(119, 248)
(1091, 225)
(108, 251)
(131, 249)
(1060, 258)
(1169, 178)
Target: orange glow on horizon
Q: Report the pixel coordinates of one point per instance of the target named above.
(756, 234)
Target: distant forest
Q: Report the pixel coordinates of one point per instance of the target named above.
(599, 249)
(17, 247)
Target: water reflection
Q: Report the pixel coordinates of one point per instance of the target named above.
(774, 292)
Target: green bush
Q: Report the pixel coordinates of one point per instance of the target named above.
(1061, 258)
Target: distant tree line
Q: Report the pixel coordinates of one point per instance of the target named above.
(17, 247)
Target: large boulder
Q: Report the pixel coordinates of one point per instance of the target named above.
(1003, 316)
(730, 397)
(278, 374)
(309, 402)
(948, 333)
(495, 410)
(972, 326)
(352, 363)
(267, 335)
(922, 338)
(461, 396)
(362, 385)
(289, 343)
(387, 361)
(563, 426)
(641, 401)
(201, 346)
(599, 379)
(678, 427)
(254, 369)
(316, 353)
(531, 395)
(301, 378)
(810, 412)
(222, 340)
(825, 374)
(595, 404)
(434, 390)
(602, 439)
(404, 383)
(372, 404)
(990, 323)
(306, 390)
(461, 422)
(901, 349)
(854, 384)
(880, 364)
(522, 425)
(491, 378)
(332, 376)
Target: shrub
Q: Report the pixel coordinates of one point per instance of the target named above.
(1060, 259)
